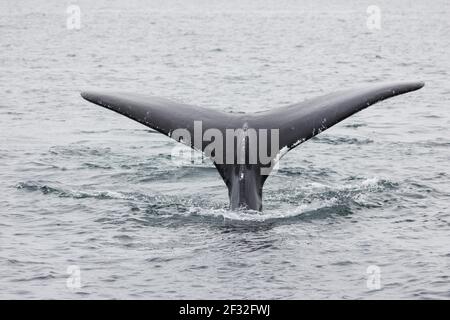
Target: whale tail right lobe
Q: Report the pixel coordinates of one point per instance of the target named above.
(295, 124)
(300, 122)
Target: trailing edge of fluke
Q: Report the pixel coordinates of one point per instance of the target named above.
(294, 123)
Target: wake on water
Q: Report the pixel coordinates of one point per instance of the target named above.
(310, 198)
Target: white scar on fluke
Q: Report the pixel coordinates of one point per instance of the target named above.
(244, 164)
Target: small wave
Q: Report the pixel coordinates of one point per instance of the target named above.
(118, 130)
(342, 263)
(311, 171)
(43, 277)
(344, 197)
(65, 193)
(355, 125)
(373, 183)
(76, 150)
(91, 165)
(272, 215)
(245, 215)
(336, 140)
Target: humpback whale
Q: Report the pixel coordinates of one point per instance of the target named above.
(245, 172)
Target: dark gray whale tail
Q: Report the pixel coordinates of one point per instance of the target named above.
(245, 172)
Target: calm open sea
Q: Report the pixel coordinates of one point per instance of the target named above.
(85, 189)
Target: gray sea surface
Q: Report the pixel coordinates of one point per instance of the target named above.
(85, 189)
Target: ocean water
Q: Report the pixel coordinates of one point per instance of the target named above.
(359, 212)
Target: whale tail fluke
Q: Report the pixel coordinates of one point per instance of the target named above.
(200, 128)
